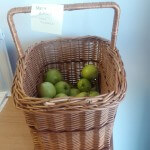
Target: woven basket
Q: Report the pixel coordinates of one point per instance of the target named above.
(70, 123)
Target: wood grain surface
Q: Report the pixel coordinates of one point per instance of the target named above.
(14, 133)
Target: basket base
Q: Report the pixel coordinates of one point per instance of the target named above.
(94, 139)
(111, 148)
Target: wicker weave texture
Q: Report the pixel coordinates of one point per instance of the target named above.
(70, 56)
(70, 123)
(95, 139)
(70, 115)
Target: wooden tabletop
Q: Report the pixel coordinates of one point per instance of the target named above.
(14, 133)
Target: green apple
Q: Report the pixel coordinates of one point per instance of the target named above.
(84, 85)
(53, 76)
(93, 93)
(89, 72)
(74, 91)
(61, 95)
(62, 87)
(82, 94)
(46, 89)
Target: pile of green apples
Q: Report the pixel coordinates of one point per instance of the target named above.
(54, 86)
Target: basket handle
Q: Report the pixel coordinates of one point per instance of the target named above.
(67, 7)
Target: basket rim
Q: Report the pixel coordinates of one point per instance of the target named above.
(61, 39)
(49, 113)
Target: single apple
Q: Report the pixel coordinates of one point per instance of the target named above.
(61, 95)
(74, 91)
(93, 93)
(62, 87)
(46, 89)
(82, 94)
(89, 72)
(53, 76)
(84, 85)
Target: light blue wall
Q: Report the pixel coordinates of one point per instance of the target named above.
(132, 125)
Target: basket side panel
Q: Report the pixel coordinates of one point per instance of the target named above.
(96, 139)
(71, 121)
(109, 70)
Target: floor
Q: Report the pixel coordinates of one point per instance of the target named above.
(14, 133)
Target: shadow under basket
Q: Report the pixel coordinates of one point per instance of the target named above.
(70, 123)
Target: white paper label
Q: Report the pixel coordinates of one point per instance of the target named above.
(47, 18)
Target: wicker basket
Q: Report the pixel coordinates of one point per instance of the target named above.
(70, 123)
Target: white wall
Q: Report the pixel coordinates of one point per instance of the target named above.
(132, 125)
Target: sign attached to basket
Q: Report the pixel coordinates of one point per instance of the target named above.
(47, 18)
